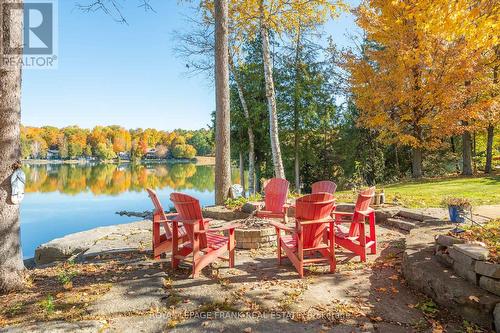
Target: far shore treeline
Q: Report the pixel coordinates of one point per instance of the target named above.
(113, 142)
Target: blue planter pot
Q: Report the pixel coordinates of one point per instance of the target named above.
(456, 214)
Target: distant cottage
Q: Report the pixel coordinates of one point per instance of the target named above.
(53, 154)
(151, 154)
(124, 155)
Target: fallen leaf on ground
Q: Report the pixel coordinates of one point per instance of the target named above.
(474, 298)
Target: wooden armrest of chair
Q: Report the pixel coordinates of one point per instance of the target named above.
(340, 217)
(325, 220)
(173, 215)
(227, 227)
(367, 212)
(192, 222)
(270, 214)
(281, 226)
(342, 213)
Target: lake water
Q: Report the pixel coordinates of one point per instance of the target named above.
(66, 198)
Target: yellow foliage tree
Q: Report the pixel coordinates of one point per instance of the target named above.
(418, 76)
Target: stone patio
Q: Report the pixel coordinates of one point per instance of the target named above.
(260, 296)
(257, 296)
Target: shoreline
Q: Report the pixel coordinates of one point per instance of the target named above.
(198, 160)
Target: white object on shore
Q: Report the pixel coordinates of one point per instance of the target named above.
(236, 191)
(17, 182)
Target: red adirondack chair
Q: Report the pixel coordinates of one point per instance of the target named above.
(324, 186)
(162, 242)
(205, 245)
(354, 237)
(312, 217)
(275, 195)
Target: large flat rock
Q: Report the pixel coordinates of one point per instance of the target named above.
(474, 251)
(98, 239)
(223, 213)
(492, 285)
(488, 268)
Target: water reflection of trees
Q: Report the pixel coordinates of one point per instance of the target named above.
(112, 179)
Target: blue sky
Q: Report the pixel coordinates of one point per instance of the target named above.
(128, 75)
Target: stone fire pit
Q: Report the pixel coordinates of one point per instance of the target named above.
(255, 233)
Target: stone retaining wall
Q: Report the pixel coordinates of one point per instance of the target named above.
(430, 274)
(469, 261)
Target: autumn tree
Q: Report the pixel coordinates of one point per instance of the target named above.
(486, 111)
(51, 135)
(414, 79)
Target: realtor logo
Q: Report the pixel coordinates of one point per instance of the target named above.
(38, 28)
(39, 33)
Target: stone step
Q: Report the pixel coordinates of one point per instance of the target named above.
(401, 223)
(414, 215)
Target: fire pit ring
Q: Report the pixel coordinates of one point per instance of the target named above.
(256, 233)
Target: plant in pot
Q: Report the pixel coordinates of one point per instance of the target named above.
(456, 209)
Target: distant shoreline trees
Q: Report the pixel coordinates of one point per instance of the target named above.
(113, 142)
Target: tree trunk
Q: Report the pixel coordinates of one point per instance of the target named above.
(396, 155)
(489, 149)
(251, 162)
(222, 115)
(11, 263)
(242, 173)
(466, 154)
(279, 171)
(416, 163)
(251, 137)
(474, 160)
(296, 100)
(257, 177)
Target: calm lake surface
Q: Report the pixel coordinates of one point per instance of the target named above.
(66, 198)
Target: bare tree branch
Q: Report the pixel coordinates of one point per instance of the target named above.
(112, 8)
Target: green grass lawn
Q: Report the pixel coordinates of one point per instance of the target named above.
(430, 192)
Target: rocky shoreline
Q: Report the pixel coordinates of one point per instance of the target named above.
(135, 236)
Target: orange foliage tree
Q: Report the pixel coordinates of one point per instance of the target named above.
(417, 78)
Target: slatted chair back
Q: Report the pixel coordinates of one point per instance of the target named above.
(324, 186)
(316, 206)
(365, 197)
(189, 209)
(159, 212)
(276, 193)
